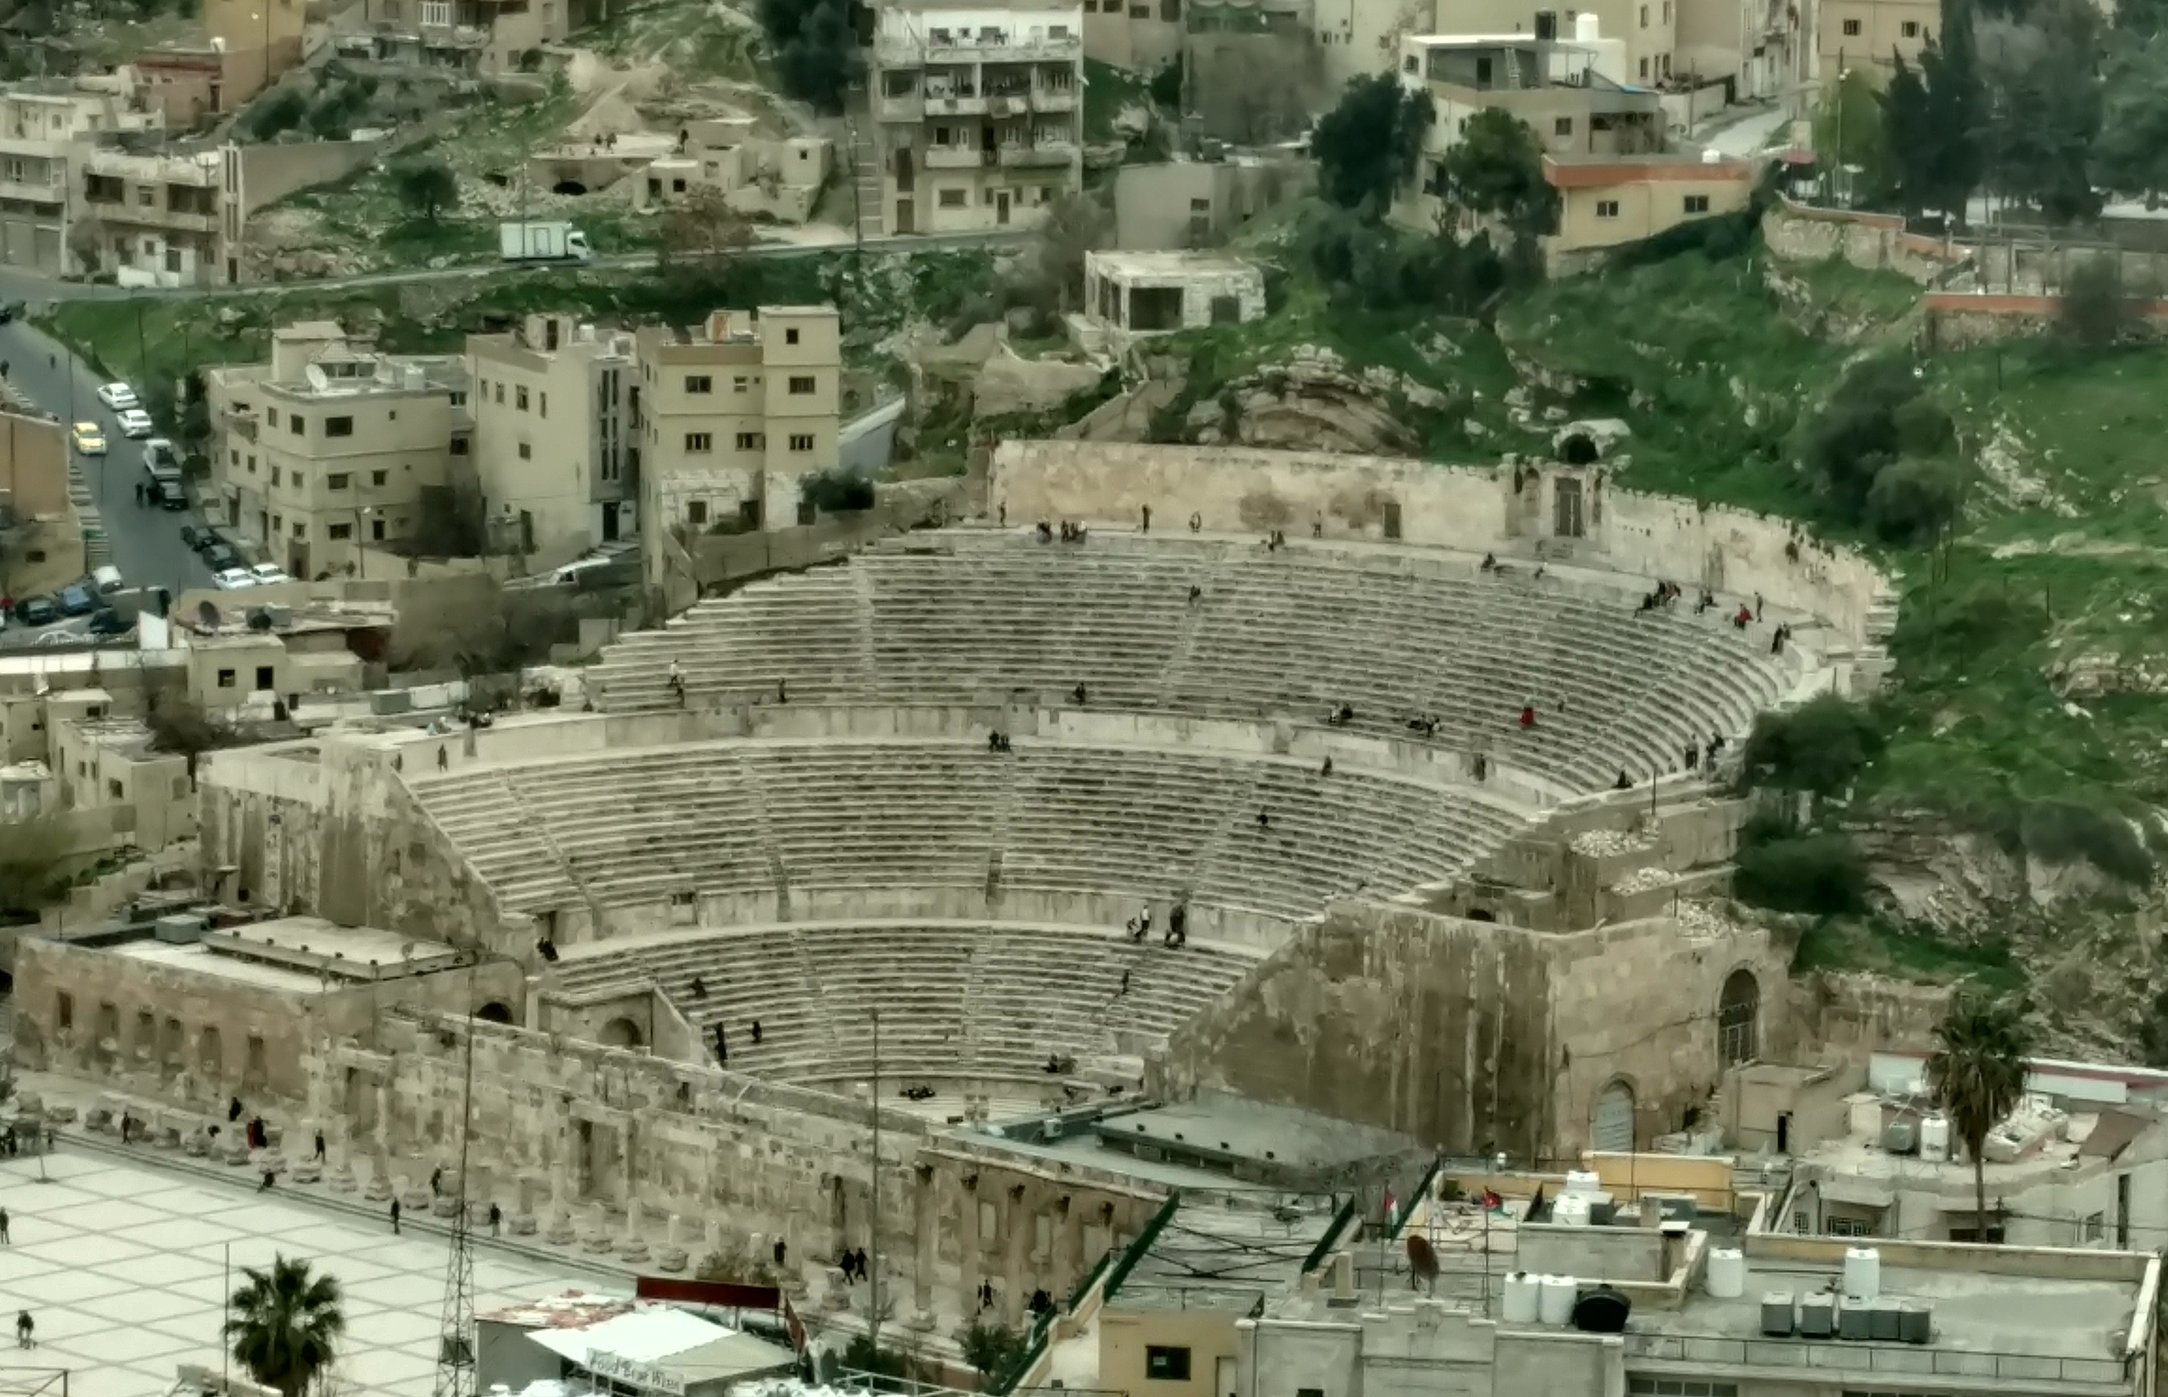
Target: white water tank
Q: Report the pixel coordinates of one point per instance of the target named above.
(1935, 1139)
(1727, 1273)
(1862, 1273)
(1587, 28)
(1555, 1304)
(1522, 1302)
(1582, 1183)
(1571, 1210)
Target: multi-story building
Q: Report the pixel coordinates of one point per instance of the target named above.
(1567, 93)
(44, 126)
(1756, 46)
(979, 112)
(257, 39)
(555, 451)
(731, 418)
(1609, 200)
(152, 220)
(1646, 30)
(487, 36)
(1871, 34)
(331, 446)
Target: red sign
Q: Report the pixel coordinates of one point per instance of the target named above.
(728, 1294)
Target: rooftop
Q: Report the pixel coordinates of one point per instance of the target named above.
(196, 958)
(1230, 1251)
(1251, 1139)
(122, 736)
(1145, 265)
(1595, 171)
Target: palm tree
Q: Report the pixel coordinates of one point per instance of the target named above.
(285, 1325)
(1977, 1073)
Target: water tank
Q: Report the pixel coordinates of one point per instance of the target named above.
(1571, 1210)
(1581, 1183)
(1555, 1304)
(1900, 1136)
(1521, 1298)
(1882, 1321)
(1727, 1273)
(1587, 28)
(1776, 1314)
(1853, 1321)
(1602, 1311)
(1862, 1273)
(1935, 1139)
(1915, 1322)
(1817, 1315)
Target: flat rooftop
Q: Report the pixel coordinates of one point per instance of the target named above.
(195, 958)
(319, 939)
(1231, 1130)
(1228, 1251)
(1131, 265)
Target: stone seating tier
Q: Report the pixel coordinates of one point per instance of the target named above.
(1272, 635)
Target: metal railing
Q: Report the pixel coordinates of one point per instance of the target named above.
(1880, 1359)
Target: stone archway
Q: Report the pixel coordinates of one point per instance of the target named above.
(1611, 1119)
(1738, 1019)
(622, 1033)
(496, 1011)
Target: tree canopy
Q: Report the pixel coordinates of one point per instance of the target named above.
(1977, 1073)
(2132, 155)
(815, 49)
(1367, 146)
(1495, 170)
(426, 187)
(286, 1324)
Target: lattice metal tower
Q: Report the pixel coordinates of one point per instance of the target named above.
(455, 1339)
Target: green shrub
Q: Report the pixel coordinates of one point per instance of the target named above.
(2064, 831)
(836, 492)
(1911, 500)
(1820, 873)
(1819, 746)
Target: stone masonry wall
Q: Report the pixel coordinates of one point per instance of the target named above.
(1875, 241)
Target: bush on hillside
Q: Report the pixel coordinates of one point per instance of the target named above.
(837, 492)
(1911, 499)
(2064, 831)
(1819, 746)
(1820, 873)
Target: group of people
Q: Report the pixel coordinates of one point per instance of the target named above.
(853, 1263)
(1070, 533)
(1140, 926)
(997, 741)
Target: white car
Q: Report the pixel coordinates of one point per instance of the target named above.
(135, 422)
(233, 579)
(118, 396)
(269, 574)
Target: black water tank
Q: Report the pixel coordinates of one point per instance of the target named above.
(1547, 25)
(1601, 1311)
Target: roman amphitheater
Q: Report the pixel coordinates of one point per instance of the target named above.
(1428, 920)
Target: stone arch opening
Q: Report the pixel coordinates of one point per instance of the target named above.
(622, 1033)
(1611, 1118)
(568, 186)
(1579, 449)
(496, 1011)
(1738, 1019)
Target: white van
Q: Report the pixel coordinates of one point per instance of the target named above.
(107, 580)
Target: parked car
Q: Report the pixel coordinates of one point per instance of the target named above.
(267, 574)
(232, 579)
(110, 622)
(77, 600)
(206, 541)
(118, 396)
(89, 439)
(220, 557)
(189, 537)
(36, 611)
(136, 423)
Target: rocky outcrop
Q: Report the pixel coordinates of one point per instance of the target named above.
(1316, 402)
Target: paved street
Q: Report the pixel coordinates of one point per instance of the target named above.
(146, 540)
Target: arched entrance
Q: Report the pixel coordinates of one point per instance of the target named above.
(1611, 1122)
(1738, 1019)
(496, 1011)
(621, 1033)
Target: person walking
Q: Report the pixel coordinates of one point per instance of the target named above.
(394, 1217)
(436, 1182)
(319, 1146)
(26, 1330)
(5, 1240)
(496, 1216)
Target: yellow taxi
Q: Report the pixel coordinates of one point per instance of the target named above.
(89, 439)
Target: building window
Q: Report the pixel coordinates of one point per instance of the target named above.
(790, 336)
(1640, 1386)
(225, 679)
(801, 441)
(341, 532)
(500, 394)
(459, 446)
(1851, 28)
(337, 480)
(526, 452)
(749, 441)
(1607, 208)
(542, 406)
(300, 425)
(738, 383)
(1910, 29)
(1644, 16)
(1562, 126)
(338, 426)
(2096, 1227)
(520, 395)
(437, 13)
(802, 384)
(1644, 70)
(1166, 1363)
(953, 198)
(235, 453)
(271, 416)
(376, 530)
(377, 478)
(699, 443)
(696, 512)
(301, 528)
(275, 474)
(1697, 203)
(699, 383)
(1840, 1226)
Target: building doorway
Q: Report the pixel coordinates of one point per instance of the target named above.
(1001, 208)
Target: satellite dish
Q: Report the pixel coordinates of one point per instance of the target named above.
(207, 614)
(318, 379)
(259, 619)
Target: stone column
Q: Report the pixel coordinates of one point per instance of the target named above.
(1017, 1285)
(671, 1255)
(596, 1236)
(522, 1223)
(924, 1252)
(559, 1231)
(632, 1246)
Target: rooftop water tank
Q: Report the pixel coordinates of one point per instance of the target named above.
(1776, 1314)
(1602, 1311)
(1817, 1315)
(1727, 1273)
(1582, 1182)
(1522, 1304)
(1571, 1210)
(1587, 28)
(1862, 1273)
(1555, 1304)
(1935, 1139)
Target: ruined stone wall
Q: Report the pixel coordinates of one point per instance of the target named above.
(1475, 509)
(1875, 241)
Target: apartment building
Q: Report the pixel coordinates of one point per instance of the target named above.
(978, 111)
(1143, 36)
(556, 455)
(43, 124)
(1608, 201)
(332, 445)
(151, 220)
(731, 417)
(1871, 34)
(478, 36)
(778, 178)
(1756, 47)
(1568, 93)
(1646, 30)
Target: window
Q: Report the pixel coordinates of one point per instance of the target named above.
(1640, 1386)
(738, 383)
(337, 480)
(1851, 28)
(1166, 1363)
(699, 383)
(252, 465)
(1607, 208)
(1644, 16)
(338, 426)
(2096, 1227)
(301, 528)
(750, 441)
(437, 13)
(1697, 203)
(271, 416)
(801, 441)
(341, 532)
(790, 336)
(500, 394)
(542, 407)
(459, 446)
(275, 475)
(802, 384)
(526, 452)
(377, 478)
(235, 453)
(699, 442)
(376, 530)
(300, 425)
(148, 198)
(225, 679)
(520, 396)
(1562, 126)
(1644, 70)
(696, 512)
(952, 198)
(1910, 29)
(1840, 1226)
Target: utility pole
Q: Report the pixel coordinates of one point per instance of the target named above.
(455, 1342)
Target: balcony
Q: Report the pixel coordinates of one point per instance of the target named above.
(1041, 156)
(910, 107)
(242, 425)
(956, 158)
(1054, 99)
(1007, 46)
(955, 104)
(38, 191)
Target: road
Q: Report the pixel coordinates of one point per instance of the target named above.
(146, 540)
(22, 286)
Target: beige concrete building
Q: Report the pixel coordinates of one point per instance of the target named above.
(979, 112)
(45, 126)
(731, 418)
(556, 453)
(259, 40)
(1178, 204)
(331, 445)
(487, 36)
(1866, 33)
(1757, 47)
(1607, 201)
(1566, 92)
(107, 762)
(1646, 30)
(1254, 72)
(1142, 36)
(758, 177)
(1129, 295)
(151, 220)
